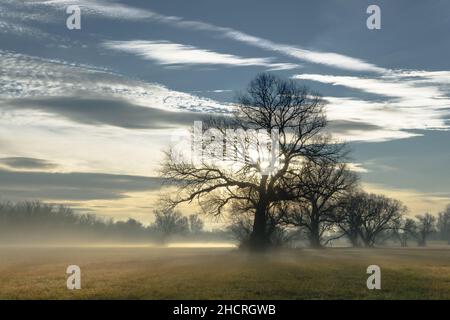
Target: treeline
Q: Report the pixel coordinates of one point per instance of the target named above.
(362, 219)
(39, 222)
(369, 219)
(359, 218)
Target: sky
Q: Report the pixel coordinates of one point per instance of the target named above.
(86, 114)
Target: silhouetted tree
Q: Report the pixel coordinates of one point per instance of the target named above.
(275, 107)
(131, 229)
(348, 217)
(240, 227)
(169, 222)
(444, 224)
(368, 216)
(195, 223)
(425, 227)
(322, 185)
(403, 230)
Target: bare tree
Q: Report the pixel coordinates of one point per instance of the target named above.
(368, 216)
(240, 227)
(348, 217)
(403, 230)
(169, 222)
(444, 224)
(195, 224)
(322, 185)
(425, 227)
(275, 107)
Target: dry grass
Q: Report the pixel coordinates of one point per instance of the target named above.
(151, 273)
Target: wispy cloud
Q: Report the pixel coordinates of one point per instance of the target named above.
(386, 86)
(72, 186)
(24, 76)
(20, 18)
(357, 167)
(89, 119)
(347, 122)
(422, 76)
(108, 9)
(330, 59)
(115, 10)
(392, 120)
(105, 111)
(407, 100)
(26, 163)
(168, 53)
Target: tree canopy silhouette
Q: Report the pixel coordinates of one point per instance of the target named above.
(237, 171)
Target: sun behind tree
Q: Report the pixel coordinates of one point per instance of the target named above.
(272, 106)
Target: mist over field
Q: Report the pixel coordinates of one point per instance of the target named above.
(40, 224)
(221, 273)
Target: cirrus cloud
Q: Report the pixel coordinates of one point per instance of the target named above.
(169, 53)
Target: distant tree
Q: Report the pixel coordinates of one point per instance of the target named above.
(349, 215)
(380, 215)
(369, 216)
(404, 230)
(444, 224)
(130, 228)
(170, 222)
(323, 184)
(37, 221)
(426, 226)
(195, 224)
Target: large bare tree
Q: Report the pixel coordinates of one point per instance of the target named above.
(226, 174)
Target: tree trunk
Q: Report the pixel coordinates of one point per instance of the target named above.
(314, 241)
(353, 238)
(314, 236)
(354, 241)
(422, 242)
(259, 238)
(369, 242)
(404, 242)
(367, 238)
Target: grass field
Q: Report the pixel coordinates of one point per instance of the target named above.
(223, 273)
